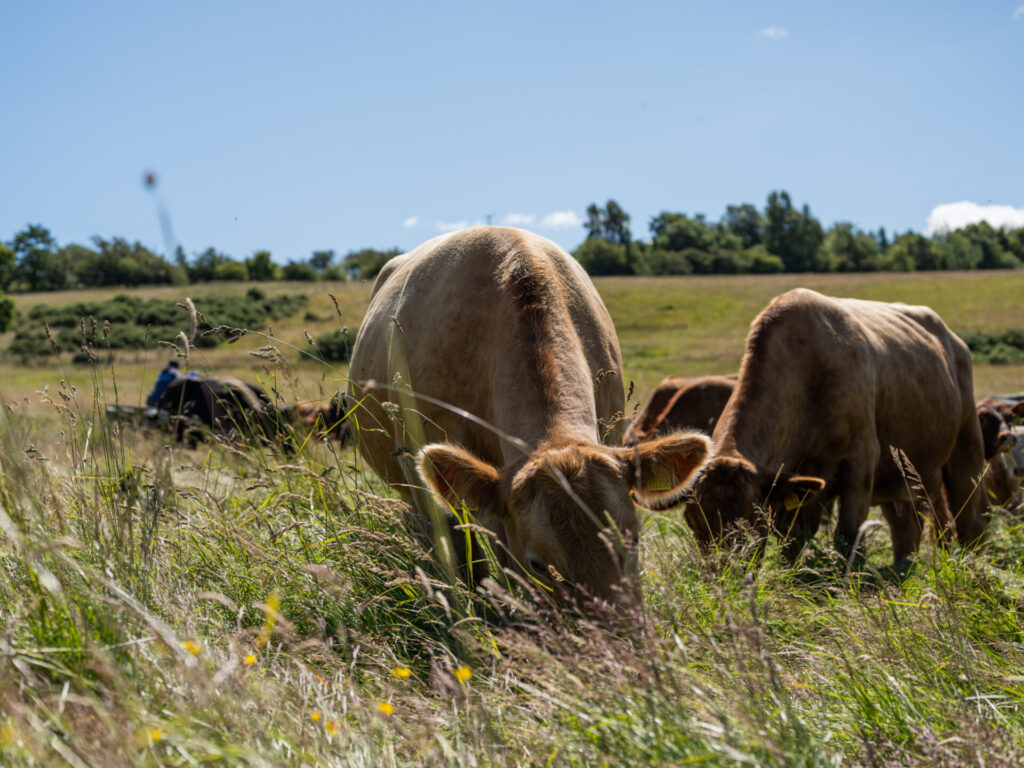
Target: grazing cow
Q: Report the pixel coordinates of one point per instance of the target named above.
(681, 404)
(225, 405)
(1004, 449)
(827, 389)
(516, 374)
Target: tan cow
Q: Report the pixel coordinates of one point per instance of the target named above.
(826, 389)
(676, 403)
(505, 334)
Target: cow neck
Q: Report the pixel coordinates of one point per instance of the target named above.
(545, 388)
(762, 422)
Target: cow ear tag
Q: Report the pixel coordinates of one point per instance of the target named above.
(792, 502)
(659, 482)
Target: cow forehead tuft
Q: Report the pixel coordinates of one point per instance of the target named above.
(540, 475)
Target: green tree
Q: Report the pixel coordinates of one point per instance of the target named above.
(883, 240)
(678, 232)
(746, 222)
(992, 245)
(847, 249)
(954, 250)
(911, 251)
(610, 223)
(1015, 243)
(7, 262)
(261, 267)
(6, 312)
(233, 271)
(793, 235)
(300, 271)
(204, 267)
(321, 260)
(38, 267)
(118, 262)
(367, 263)
(603, 257)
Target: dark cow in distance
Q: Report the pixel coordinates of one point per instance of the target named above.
(225, 406)
(827, 389)
(676, 403)
(514, 367)
(997, 417)
(1003, 436)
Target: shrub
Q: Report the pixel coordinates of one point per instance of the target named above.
(601, 257)
(137, 324)
(1003, 348)
(299, 271)
(657, 261)
(231, 270)
(6, 312)
(336, 346)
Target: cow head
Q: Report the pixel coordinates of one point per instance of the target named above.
(733, 492)
(567, 512)
(996, 419)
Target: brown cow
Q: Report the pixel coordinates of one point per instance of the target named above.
(681, 404)
(996, 417)
(827, 388)
(516, 371)
(1004, 449)
(327, 420)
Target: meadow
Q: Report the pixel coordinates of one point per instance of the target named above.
(234, 605)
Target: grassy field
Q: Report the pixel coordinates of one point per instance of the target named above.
(235, 606)
(680, 326)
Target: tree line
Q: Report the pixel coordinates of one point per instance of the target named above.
(33, 261)
(781, 238)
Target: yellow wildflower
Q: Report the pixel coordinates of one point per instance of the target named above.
(249, 660)
(402, 672)
(463, 673)
(270, 610)
(386, 708)
(191, 647)
(156, 735)
(315, 717)
(331, 727)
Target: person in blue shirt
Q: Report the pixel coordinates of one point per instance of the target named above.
(167, 375)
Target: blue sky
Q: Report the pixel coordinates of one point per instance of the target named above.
(302, 126)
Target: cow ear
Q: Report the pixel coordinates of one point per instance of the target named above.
(454, 474)
(1018, 410)
(796, 488)
(661, 470)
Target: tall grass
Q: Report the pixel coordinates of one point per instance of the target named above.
(233, 605)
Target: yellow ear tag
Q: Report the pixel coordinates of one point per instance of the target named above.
(660, 482)
(792, 502)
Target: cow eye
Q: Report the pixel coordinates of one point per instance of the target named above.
(535, 565)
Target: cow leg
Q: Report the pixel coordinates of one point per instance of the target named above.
(854, 501)
(905, 527)
(961, 475)
(943, 526)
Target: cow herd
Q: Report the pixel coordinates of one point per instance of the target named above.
(487, 371)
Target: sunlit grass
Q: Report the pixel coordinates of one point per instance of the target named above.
(233, 605)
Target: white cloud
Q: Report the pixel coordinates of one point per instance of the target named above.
(412, 221)
(451, 226)
(561, 220)
(1018, 12)
(518, 219)
(775, 33)
(950, 216)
